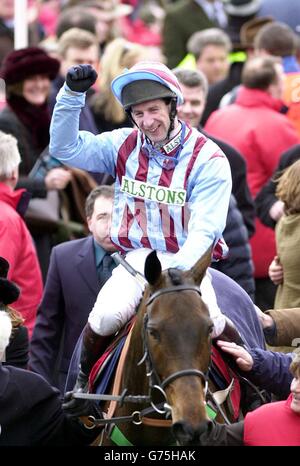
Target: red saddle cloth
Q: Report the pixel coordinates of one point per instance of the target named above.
(228, 374)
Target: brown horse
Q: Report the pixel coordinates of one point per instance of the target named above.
(168, 358)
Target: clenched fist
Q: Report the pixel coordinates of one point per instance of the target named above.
(81, 77)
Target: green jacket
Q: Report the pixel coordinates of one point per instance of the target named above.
(182, 19)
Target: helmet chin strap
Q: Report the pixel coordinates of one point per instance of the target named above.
(167, 162)
(172, 115)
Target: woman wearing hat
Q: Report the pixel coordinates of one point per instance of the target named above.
(27, 74)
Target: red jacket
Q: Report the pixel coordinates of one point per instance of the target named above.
(254, 126)
(16, 246)
(273, 424)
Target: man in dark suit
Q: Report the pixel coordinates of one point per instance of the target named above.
(77, 271)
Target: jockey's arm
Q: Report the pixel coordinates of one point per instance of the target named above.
(80, 149)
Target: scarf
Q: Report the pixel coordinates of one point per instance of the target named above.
(35, 118)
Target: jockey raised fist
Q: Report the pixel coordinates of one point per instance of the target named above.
(81, 77)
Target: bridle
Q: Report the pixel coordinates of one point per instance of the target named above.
(154, 379)
(155, 383)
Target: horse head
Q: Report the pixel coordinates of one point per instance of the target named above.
(177, 337)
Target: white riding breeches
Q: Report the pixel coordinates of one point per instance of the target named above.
(119, 297)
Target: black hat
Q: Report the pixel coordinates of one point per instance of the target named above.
(241, 7)
(9, 292)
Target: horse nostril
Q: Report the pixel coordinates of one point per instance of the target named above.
(185, 434)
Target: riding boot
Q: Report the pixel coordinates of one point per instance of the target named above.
(93, 345)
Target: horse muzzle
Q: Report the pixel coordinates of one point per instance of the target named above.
(187, 435)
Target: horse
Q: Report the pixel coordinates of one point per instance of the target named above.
(169, 355)
(167, 361)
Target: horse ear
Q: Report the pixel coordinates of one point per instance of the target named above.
(199, 269)
(152, 268)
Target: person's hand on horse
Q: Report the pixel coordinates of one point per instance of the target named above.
(76, 407)
(242, 358)
(81, 77)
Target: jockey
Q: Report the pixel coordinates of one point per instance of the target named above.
(172, 190)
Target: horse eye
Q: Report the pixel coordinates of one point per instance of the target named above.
(210, 329)
(153, 333)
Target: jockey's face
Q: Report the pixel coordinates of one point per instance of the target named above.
(153, 119)
(295, 390)
(100, 222)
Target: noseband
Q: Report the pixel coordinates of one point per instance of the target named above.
(155, 381)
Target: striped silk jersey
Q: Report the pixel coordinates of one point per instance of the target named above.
(182, 210)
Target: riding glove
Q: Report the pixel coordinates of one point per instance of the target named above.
(81, 77)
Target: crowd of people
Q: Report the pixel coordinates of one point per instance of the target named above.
(144, 125)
